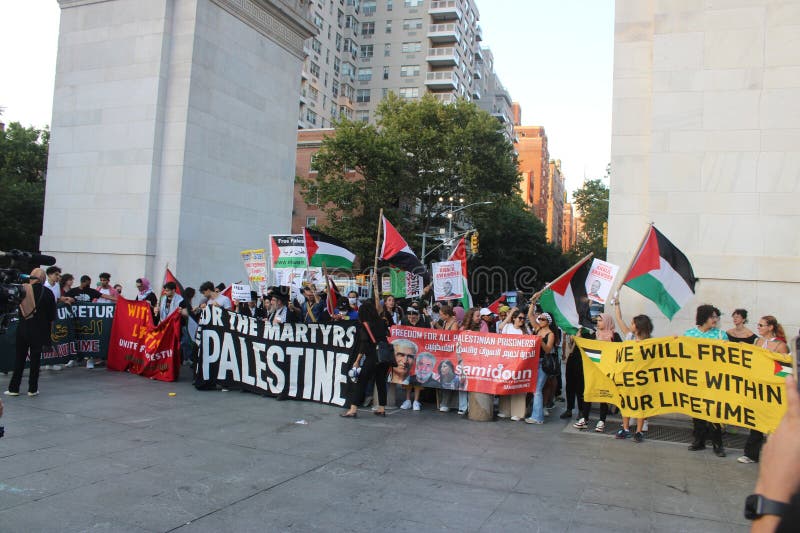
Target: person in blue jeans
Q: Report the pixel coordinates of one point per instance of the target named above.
(543, 323)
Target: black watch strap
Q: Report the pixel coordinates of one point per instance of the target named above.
(757, 506)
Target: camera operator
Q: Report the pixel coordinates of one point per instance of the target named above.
(36, 316)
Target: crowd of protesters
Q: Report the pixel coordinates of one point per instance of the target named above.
(555, 383)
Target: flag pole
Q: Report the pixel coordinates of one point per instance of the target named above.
(630, 264)
(375, 267)
(581, 261)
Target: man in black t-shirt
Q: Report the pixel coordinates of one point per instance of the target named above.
(85, 292)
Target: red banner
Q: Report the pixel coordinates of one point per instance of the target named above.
(465, 360)
(139, 348)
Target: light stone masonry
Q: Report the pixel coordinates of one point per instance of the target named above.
(705, 144)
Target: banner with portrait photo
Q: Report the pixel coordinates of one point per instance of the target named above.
(447, 280)
(465, 360)
(299, 361)
(724, 382)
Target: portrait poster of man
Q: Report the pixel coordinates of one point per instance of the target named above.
(600, 279)
(447, 280)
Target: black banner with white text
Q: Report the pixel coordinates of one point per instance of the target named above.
(301, 361)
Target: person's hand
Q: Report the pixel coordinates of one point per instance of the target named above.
(779, 474)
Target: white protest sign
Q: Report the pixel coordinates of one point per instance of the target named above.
(600, 279)
(447, 283)
(240, 292)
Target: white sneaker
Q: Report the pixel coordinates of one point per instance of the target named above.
(462, 413)
(745, 460)
(417, 406)
(644, 427)
(33, 393)
(406, 405)
(444, 409)
(502, 415)
(515, 419)
(90, 363)
(600, 427)
(70, 364)
(55, 367)
(580, 424)
(9, 393)
(532, 421)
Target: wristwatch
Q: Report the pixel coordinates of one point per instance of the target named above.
(756, 506)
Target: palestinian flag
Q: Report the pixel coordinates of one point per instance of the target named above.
(494, 307)
(460, 254)
(566, 299)
(397, 252)
(169, 276)
(326, 250)
(661, 273)
(783, 369)
(594, 355)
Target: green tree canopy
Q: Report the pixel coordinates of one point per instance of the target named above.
(23, 165)
(592, 203)
(419, 150)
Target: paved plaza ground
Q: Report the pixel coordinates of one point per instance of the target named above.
(106, 451)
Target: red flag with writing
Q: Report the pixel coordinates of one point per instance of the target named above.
(140, 348)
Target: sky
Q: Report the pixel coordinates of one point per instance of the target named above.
(555, 57)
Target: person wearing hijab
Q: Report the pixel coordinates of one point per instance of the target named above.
(146, 294)
(605, 332)
(36, 316)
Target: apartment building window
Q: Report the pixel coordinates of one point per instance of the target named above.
(340, 18)
(314, 69)
(311, 117)
(351, 22)
(363, 115)
(311, 221)
(413, 3)
(365, 74)
(336, 64)
(368, 7)
(412, 24)
(386, 73)
(351, 46)
(335, 91)
(384, 92)
(325, 83)
(411, 47)
(316, 45)
(368, 28)
(348, 69)
(313, 92)
(388, 26)
(327, 57)
(367, 50)
(387, 50)
(324, 102)
(407, 71)
(338, 42)
(318, 21)
(362, 95)
(389, 5)
(409, 93)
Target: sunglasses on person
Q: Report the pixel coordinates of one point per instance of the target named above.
(519, 317)
(541, 319)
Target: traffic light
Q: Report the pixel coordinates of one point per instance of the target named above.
(605, 234)
(473, 242)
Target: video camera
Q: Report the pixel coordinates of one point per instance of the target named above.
(12, 282)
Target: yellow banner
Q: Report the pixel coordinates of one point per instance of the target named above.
(724, 382)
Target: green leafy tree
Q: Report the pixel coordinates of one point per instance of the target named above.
(514, 252)
(592, 203)
(23, 166)
(419, 150)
